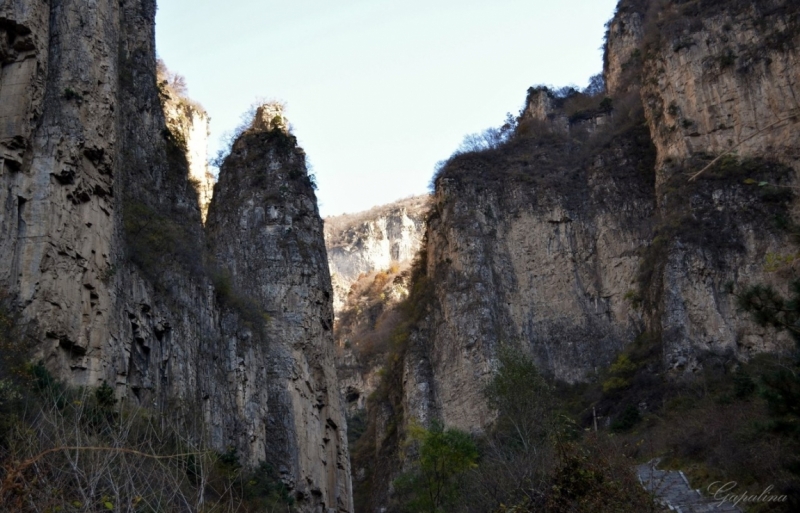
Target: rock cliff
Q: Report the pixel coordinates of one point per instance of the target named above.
(541, 242)
(188, 123)
(104, 249)
(265, 235)
(584, 232)
(373, 240)
(718, 79)
(369, 254)
(547, 266)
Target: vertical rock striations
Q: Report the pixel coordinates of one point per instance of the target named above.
(59, 101)
(104, 249)
(266, 236)
(546, 265)
(583, 232)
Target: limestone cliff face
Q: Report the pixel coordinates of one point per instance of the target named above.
(266, 235)
(104, 249)
(547, 267)
(576, 258)
(727, 81)
(584, 232)
(188, 123)
(85, 141)
(719, 78)
(372, 241)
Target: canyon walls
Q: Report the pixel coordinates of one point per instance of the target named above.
(103, 188)
(584, 233)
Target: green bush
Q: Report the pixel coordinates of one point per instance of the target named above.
(523, 401)
(621, 372)
(71, 94)
(615, 383)
(262, 490)
(743, 385)
(444, 456)
(15, 379)
(629, 417)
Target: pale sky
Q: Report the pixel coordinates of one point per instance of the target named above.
(377, 91)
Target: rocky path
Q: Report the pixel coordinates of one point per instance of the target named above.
(674, 492)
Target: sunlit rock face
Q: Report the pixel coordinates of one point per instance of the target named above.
(103, 247)
(369, 254)
(624, 34)
(716, 78)
(373, 240)
(270, 116)
(189, 124)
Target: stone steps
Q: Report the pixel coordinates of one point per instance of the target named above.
(673, 491)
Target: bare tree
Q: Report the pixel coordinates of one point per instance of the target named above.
(173, 81)
(80, 452)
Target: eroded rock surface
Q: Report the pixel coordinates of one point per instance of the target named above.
(373, 240)
(266, 235)
(103, 247)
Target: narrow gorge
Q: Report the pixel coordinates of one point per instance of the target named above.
(609, 238)
(627, 253)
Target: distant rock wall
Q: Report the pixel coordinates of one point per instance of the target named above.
(372, 241)
(369, 254)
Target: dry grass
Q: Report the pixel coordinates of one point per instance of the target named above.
(370, 316)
